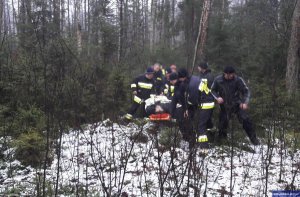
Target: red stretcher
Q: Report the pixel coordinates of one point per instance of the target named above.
(160, 117)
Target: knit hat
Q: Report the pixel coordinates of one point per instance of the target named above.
(203, 65)
(182, 72)
(149, 70)
(229, 70)
(173, 76)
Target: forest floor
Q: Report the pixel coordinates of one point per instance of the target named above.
(108, 159)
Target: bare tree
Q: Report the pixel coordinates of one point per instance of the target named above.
(62, 14)
(173, 21)
(202, 32)
(166, 22)
(56, 15)
(1, 16)
(146, 24)
(153, 18)
(292, 70)
(78, 25)
(69, 19)
(121, 32)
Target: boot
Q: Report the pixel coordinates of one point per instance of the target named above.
(202, 141)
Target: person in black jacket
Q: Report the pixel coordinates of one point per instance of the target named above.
(171, 80)
(205, 104)
(141, 88)
(158, 78)
(179, 105)
(179, 97)
(205, 73)
(233, 95)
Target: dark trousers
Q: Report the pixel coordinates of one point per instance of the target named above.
(135, 106)
(225, 115)
(204, 120)
(209, 123)
(185, 124)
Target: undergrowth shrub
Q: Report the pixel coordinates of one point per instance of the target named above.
(170, 137)
(30, 148)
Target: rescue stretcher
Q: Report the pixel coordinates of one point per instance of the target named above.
(160, 117)
(157, 107)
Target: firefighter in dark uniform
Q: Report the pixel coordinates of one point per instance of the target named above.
(233, 95)
(159, 80)
(205, 104)
(168, 72)
(171, 80)
(163, 70)
(179, 105)
(141, 88)
(166, 81)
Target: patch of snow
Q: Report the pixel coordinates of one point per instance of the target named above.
(105, 158)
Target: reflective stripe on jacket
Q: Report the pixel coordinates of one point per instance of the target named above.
(169, 89)
(159, 81)
(143, 86)
(206, 80)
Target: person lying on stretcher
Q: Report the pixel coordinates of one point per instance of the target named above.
(157, 104)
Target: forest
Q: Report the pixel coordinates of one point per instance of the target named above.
(69, 63)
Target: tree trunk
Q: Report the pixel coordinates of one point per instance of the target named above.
(78, 25)
(62, 15)
(1, 17)
(121, 33)
(56, 15)
(166, 12)
(189, 14)
(145, 25)
(4, 20)
(173, 23)
(69, 19)
(14, 17)
(202, 32)
(8, 20)
(125, 25)
(89, 28)
(161, 10)
(292, 70)
(153, 18)
(145, 21)
(203, 28)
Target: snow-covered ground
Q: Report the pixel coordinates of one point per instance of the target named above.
(107, 159)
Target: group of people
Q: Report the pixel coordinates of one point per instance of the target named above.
(183, 96)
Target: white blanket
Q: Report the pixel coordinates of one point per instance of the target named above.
(156, 98)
